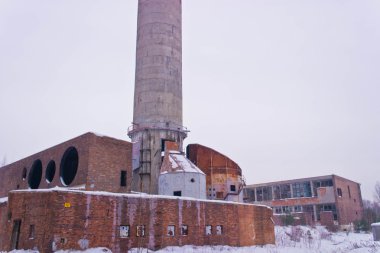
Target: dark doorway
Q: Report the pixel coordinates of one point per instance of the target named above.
(15, 234)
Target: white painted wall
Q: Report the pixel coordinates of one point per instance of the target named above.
(181, 181)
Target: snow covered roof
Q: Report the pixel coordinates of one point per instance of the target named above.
(376, 224)
(132, 195)
(179, 163)
(3, 200)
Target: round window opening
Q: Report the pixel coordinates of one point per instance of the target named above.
(50, 171)
(35, 175)
(192, 180)
(69, 166)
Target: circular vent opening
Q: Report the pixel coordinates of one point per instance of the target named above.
(50, 171)
(69, 166)
(35, 175)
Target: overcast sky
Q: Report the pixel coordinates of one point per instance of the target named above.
(286, 88)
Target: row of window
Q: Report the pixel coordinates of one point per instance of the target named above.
(125, 231)
(285, 191)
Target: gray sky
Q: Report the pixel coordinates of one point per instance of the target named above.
(287, 89)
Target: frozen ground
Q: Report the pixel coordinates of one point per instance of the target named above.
(288, 240)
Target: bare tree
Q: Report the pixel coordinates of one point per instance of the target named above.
(377, 192)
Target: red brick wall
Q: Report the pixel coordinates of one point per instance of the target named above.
(97, 219)
(349, 208)
(221, 171)
(3, 222)
(103, 154)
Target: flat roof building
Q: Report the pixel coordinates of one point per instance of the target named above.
(330, 200)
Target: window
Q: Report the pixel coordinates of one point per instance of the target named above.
(184, 230)
(233, 188)
(219, 229)
(208, 230)
(249, 194)
(282, 191)
(31, 231)
(140, 231)
(171, 230)
(124, 231)
(301, 190)
(264, 193)
(177, 193)
(123, 178)
(340, 194)
(349, 191)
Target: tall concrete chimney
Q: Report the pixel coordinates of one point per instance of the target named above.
(157, 115)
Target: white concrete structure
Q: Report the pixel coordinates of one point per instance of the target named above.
(376, 231)
(180, 177)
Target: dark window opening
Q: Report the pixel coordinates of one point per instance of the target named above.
(123, 178)
(50, 171)
(24, 172)
(31, 231)
(140, 231)
(35, 175)
(177, 193)
(233, 188)
(340, 194)
(69, 166)
(15, 234)
(192, 180)
(349, 191)
(264, 193)
(184, 230)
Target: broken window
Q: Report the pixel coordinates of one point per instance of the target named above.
(208, 230)
(327, 208)
(171, 230)
(339, 190)
(31, 232)
(123, 178)
(140, 231)
(249, 195)
(264, 193)
(297, 209)
(301, 190)
(282, 191)
(177, 193)
(124, 231)
(233, 188)
(219, 229)
(184, 230)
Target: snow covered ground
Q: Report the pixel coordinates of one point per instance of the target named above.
(288, 240)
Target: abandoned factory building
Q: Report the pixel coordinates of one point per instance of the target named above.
(329, 200)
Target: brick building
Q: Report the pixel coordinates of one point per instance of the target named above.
(330, 200)
(76, 195)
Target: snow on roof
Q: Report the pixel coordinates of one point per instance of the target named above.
(179, 163)
(132, 195)
(375, 224)
(3, 200)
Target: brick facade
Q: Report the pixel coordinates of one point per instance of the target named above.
(80, 219)
(101, 160)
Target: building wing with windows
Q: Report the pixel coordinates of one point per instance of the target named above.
(329, 200)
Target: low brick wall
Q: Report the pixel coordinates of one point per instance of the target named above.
(74, 220)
